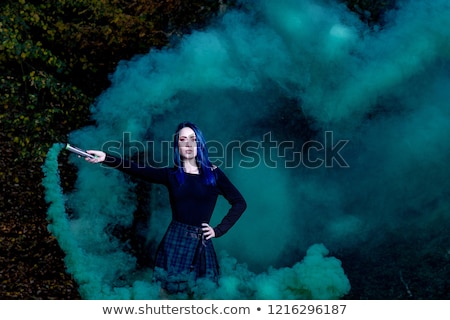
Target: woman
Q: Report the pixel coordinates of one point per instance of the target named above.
(186, 252)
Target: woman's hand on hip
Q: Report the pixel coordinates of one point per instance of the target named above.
(208, 231)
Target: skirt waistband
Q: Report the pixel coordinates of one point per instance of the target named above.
(186, 227)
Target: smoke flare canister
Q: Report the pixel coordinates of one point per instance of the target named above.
(78, 151)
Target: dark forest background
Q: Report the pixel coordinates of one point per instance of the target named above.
(55, 58)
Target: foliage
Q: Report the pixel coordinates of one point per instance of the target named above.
(36, 101)
(55, 57)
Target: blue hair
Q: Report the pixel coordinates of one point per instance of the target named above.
(203, 162)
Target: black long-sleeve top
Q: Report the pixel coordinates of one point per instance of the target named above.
(194, 201)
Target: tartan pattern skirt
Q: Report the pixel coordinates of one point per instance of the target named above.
(183, 256)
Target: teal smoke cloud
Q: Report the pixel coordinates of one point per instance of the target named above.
(296, 70)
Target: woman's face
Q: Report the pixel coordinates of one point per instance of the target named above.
(187, 144)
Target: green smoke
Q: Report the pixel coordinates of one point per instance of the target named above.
(296, 69)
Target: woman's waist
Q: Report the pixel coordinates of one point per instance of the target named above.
(191, 220)
(185, 226)
(185, 230)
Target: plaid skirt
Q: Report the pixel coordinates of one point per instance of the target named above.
(183, 256)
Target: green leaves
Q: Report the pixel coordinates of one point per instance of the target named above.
(55, 57)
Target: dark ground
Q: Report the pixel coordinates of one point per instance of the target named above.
(31, 261)
(401, 268)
